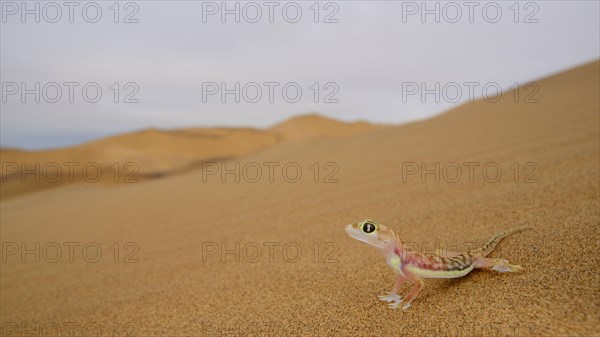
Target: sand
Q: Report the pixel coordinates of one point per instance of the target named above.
(165, 281)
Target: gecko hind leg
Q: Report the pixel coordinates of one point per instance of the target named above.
(499, 265)
(418, 285)
(412, 295)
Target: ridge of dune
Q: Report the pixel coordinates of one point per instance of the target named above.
(164, 152)
(314, 126)
(528, 96)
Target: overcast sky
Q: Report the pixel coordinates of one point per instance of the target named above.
(171, 59)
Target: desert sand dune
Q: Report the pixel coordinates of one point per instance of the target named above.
(152, 153)
(175, 285)
(309, 127)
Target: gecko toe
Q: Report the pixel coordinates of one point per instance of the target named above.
(395, 304)
(390, 297)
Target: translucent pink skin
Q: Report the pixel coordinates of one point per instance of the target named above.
(413, 266)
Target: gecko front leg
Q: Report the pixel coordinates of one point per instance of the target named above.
(418, 285)
(393, 296)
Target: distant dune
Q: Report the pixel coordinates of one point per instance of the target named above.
(533, 164)
(156, 153)
(316, 127)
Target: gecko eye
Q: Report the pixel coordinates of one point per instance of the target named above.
(368, 227)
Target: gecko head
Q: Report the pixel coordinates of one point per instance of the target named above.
(371, 232)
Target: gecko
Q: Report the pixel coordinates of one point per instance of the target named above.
(412, 266)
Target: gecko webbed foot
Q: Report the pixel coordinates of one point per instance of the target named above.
(405, 305)
(499, 265)
(390, 297)
(395, 304)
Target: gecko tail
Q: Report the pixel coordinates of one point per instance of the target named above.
(490, 244)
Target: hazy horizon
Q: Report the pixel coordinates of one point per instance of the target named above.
(363, 56)
(88, 137)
